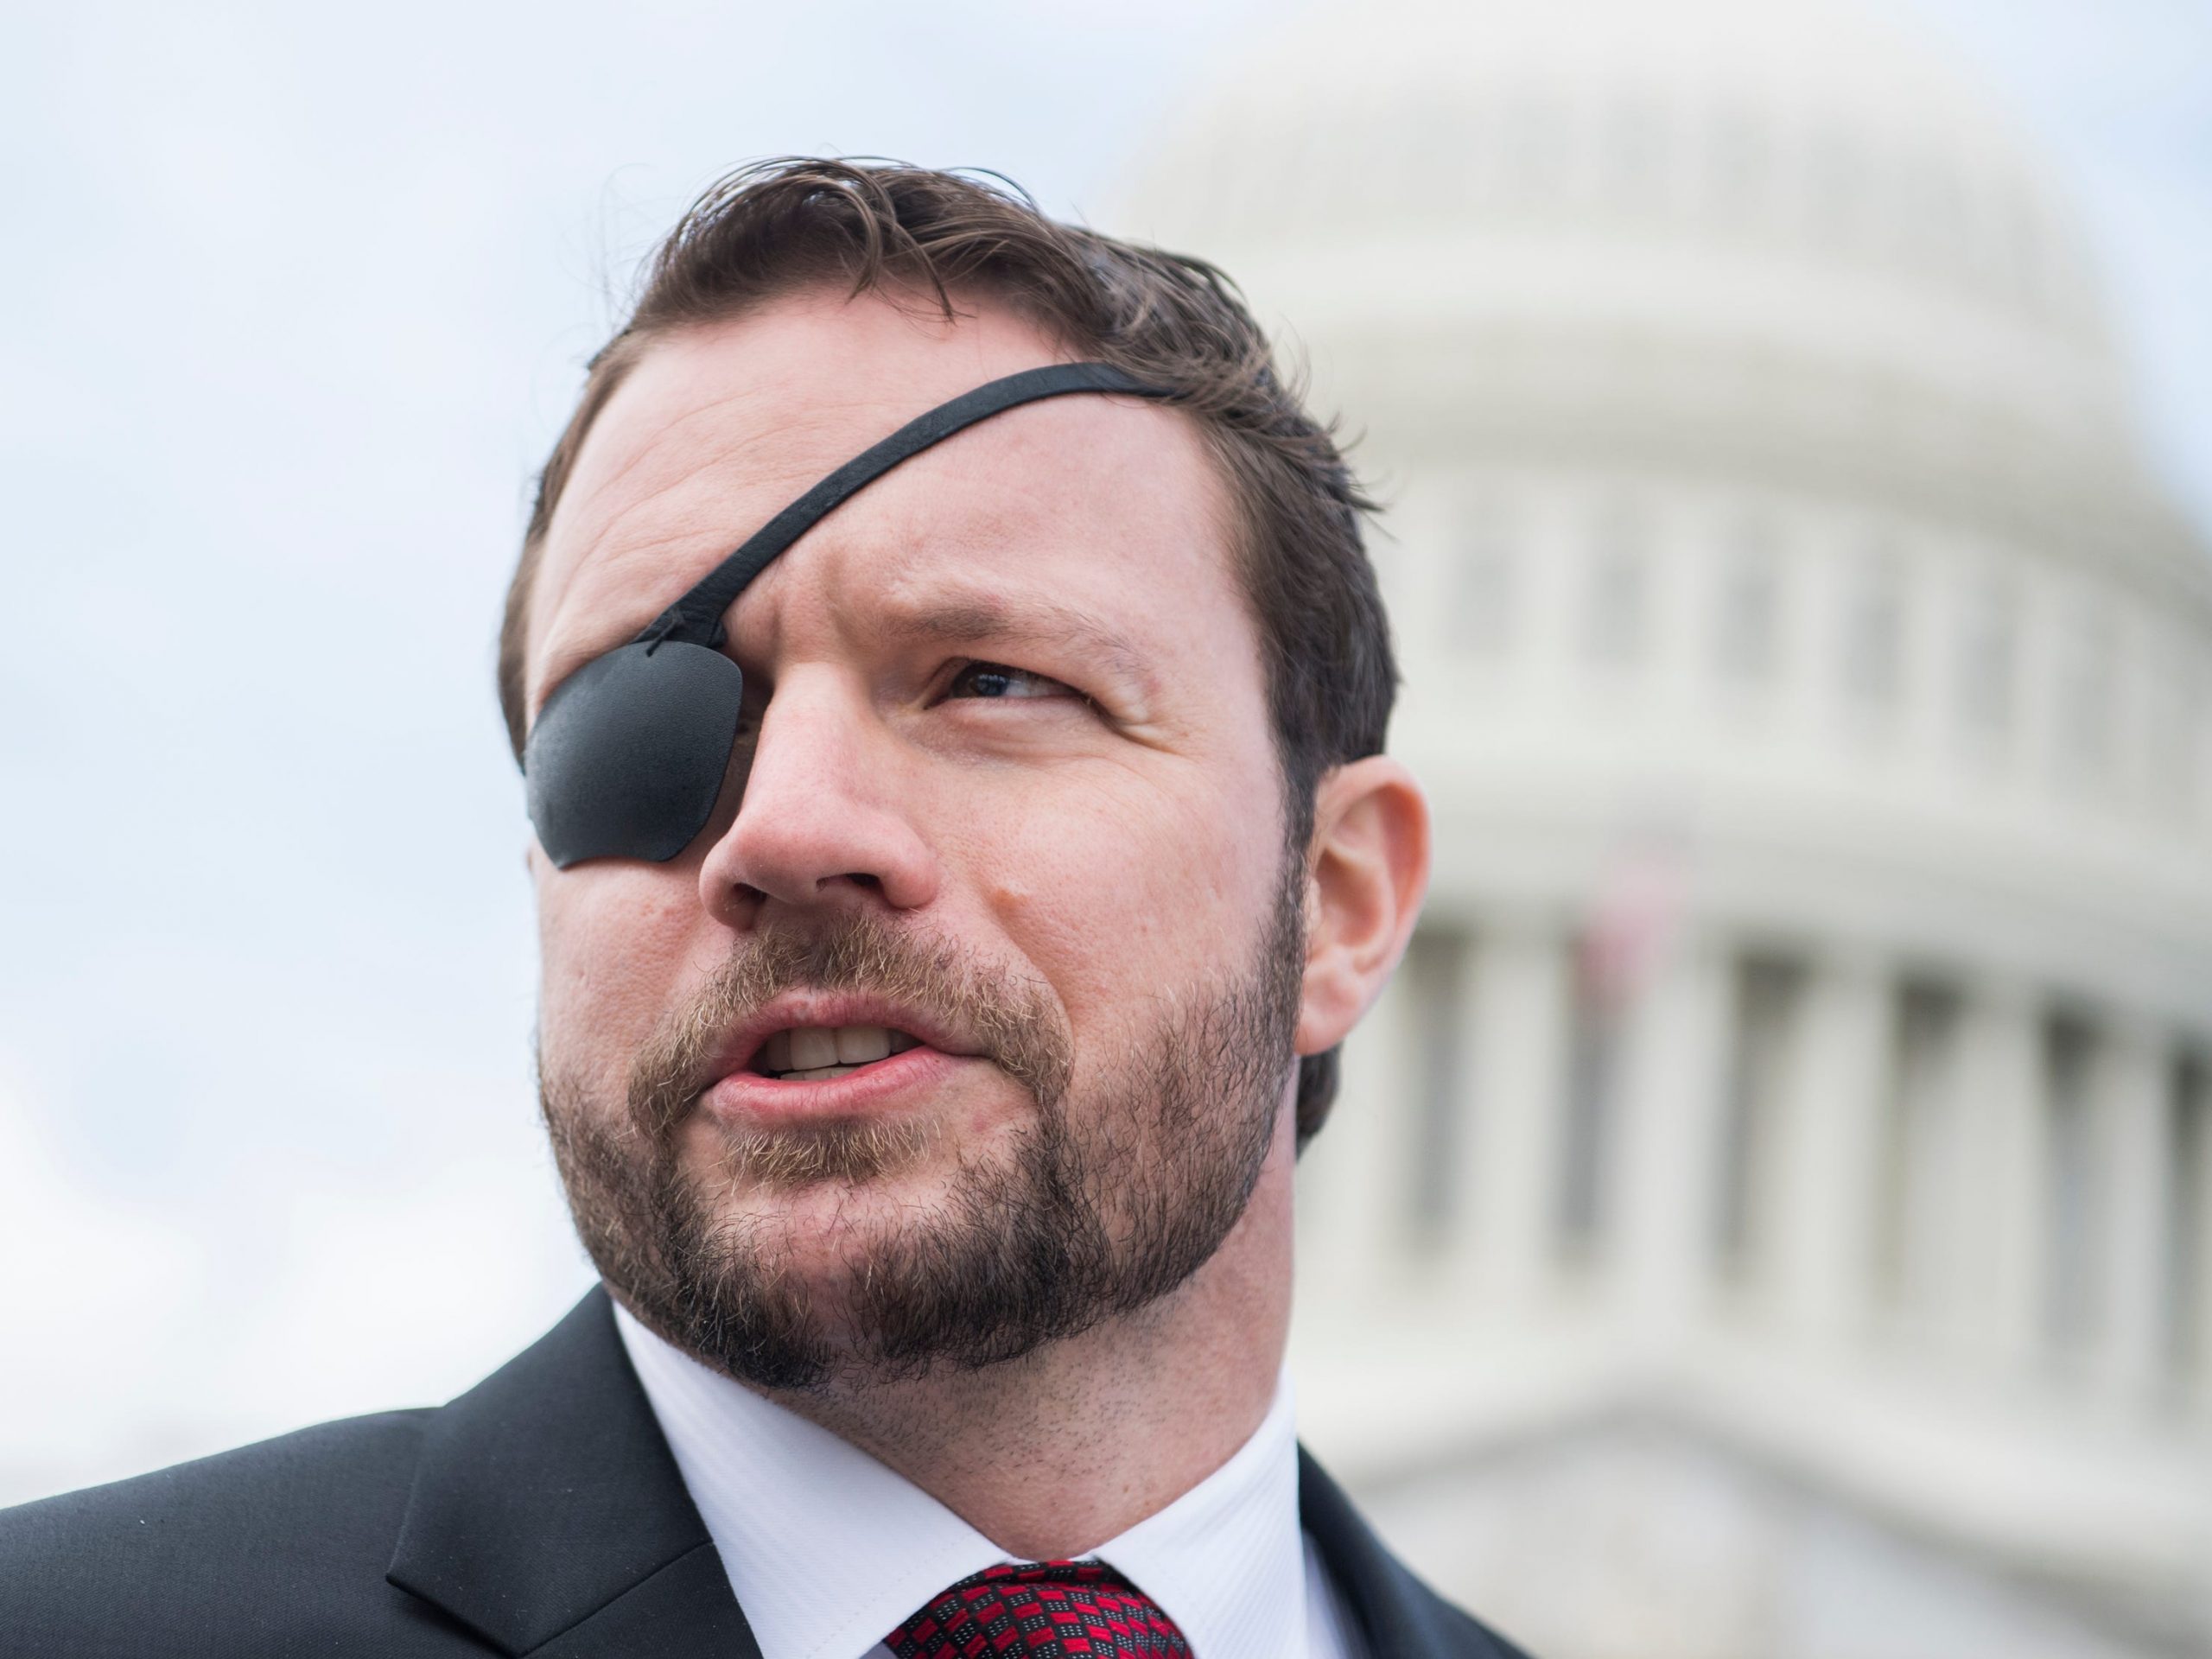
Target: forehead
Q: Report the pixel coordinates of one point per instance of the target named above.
(1094, 501)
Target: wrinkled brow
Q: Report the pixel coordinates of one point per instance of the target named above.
(966, 620)
(974, 619)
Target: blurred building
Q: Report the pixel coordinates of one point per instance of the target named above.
(1771, 1212)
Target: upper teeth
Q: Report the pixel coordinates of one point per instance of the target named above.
(810, 1048)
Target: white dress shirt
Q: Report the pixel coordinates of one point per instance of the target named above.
(827, 1550)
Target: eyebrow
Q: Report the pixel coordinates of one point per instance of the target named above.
(967, 618)
(979, 617)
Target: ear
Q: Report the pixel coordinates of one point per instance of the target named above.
(1367, 870)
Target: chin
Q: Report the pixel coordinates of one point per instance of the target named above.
(823, 1185)
(837, 1212)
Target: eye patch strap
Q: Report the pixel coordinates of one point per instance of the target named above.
(697, 618)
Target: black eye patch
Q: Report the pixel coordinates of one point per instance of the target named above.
(629, 755)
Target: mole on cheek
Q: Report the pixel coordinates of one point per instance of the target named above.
(1010, 898)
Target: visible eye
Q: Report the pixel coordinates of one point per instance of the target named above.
(996, 680)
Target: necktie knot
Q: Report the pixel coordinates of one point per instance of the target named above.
(1040, 1610)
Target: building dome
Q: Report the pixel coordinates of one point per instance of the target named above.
(1757, 464)
(1776, 228)
(1801, 1080)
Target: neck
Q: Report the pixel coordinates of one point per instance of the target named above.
(1052, 1455)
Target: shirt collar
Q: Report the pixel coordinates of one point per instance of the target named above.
(827, 1550)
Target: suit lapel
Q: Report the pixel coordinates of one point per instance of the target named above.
(548, 1516)
(1401, 1617)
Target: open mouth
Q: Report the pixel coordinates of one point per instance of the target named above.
(813, 1053)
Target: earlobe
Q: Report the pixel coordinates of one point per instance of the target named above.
(1367, 873)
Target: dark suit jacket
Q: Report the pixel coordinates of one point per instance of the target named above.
(540, 1513)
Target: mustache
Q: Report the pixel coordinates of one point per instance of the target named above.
(1005, 1016)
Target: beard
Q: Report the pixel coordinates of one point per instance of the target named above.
(1119, 1186)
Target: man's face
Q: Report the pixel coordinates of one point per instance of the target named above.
(1011, 800)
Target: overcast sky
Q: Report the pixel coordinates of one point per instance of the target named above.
(298, 296)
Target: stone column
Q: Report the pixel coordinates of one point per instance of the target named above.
(1664, 1157)
(1353, 1185)
(1516, 1010)
(1997, 1295)
(1827, 1200)
(2134, 1089)
(2195, 1359)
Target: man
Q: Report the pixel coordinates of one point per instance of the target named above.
(950, 906)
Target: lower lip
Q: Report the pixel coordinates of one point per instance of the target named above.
(753, 1098)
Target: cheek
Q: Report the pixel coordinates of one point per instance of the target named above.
(613, 948)
(1115, 885)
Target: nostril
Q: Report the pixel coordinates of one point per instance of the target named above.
(860, 879)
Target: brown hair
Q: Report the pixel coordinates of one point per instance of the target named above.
(1170, 320)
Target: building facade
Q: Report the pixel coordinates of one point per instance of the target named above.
(1771, 1213)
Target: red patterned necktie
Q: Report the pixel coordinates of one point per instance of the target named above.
(1039, 1611)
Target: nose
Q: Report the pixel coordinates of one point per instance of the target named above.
(822, 819)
